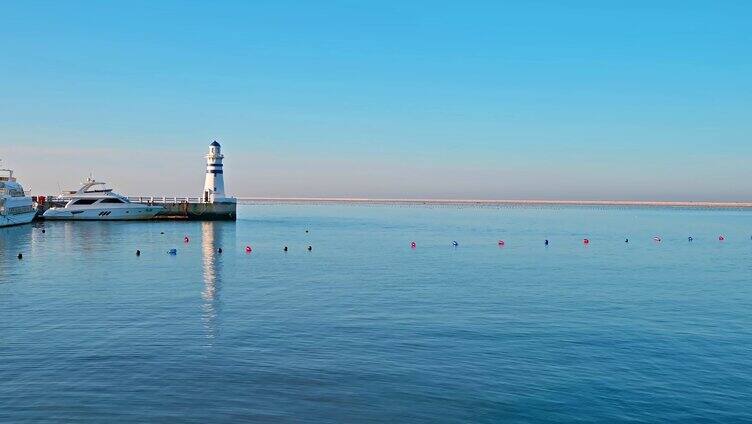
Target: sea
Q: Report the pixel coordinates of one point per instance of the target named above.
(638, 325)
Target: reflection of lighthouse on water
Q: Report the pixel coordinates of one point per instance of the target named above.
(211, 241)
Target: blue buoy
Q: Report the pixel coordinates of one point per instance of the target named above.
(172, 252)
(690, 238)
(455, 244)
(546, 242)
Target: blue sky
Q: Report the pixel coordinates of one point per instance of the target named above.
(526, 99)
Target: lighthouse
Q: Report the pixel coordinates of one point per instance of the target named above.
(214, 185)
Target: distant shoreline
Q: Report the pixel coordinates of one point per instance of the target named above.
(480, 202)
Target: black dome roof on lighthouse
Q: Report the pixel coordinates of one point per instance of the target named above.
(214, 143)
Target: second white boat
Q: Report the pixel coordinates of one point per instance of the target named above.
(94, 202)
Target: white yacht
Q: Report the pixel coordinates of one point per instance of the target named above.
(93, 201)
(15, 206)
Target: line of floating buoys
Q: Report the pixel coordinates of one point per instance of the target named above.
(249, 249)
(546, 242)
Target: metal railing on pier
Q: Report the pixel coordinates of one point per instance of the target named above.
(155, 200)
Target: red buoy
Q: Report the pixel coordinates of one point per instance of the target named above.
(248, 249)
(501, 243)
(585, 241)
(721, 238)
(412, 245)
(186, 239)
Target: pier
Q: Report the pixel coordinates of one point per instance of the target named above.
(193, 208)
(190, 208)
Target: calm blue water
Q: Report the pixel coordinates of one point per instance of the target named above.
(365, 329)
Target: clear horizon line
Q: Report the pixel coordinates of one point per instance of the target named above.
(686, 203)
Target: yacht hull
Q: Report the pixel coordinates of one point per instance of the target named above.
(103, 214)
(20, 219)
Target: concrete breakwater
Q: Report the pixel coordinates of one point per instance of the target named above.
(193, 209)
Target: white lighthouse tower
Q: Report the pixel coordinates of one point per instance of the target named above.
(214, 185)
